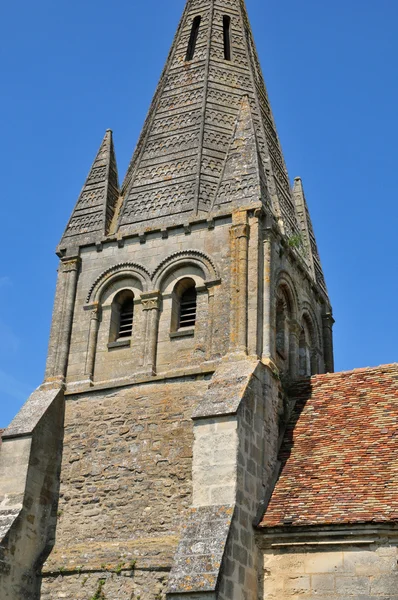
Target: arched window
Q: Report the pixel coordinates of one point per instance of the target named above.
(122, 317)
(283, 315)
(193, 38)
(281, 328)
(304, 354)
(308, 363)
(184, 305)
(227, 37)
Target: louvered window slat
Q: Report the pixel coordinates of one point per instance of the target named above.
(126, 319)
(188, 308)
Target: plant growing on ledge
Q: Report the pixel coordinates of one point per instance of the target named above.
(295, 240)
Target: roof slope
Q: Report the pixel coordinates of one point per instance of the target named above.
(178, 162)
(340, 452)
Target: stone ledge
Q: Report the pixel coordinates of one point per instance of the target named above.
(76, 387)
(183, 333)
(226, 389)
(119, 344)
(31, 413)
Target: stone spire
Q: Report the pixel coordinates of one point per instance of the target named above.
(307, 234)
(243, 179)
(95, 207)
(179, 161)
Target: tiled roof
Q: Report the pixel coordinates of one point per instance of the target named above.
(340, 451)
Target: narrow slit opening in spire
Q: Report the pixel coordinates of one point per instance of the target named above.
(227, 37)
(193, 38)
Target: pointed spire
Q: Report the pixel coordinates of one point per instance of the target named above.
(307, 234)
(242, 180)
(95, 207)
(176, 167)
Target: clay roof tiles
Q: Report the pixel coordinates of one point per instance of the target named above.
(339, 456)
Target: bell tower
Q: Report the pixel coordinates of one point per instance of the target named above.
(188, 300)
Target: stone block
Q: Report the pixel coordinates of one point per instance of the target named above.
(322, 583)
(297, 584)
(324, 562)
(352, 586)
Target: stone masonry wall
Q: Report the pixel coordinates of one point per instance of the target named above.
(367, 572)
(256, 458)
(171, 353)
(125, 484)
(29, 467)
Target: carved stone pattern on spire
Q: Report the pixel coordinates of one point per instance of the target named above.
(165, 171)
(160, 202)
(96, 204)
(171, 143)
(187, 98)
(195, 109)
(169, 123)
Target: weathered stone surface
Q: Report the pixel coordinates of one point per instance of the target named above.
(30, 456)
(338, 573)
(125, 486)
(30, 414)
(201, 549)
(94, 210)
(226, 389)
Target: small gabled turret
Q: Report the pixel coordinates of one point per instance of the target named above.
(95, 207)
(242, 180)
(307, 233)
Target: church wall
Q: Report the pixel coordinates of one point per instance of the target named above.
(125, 484)
(335, 572)
(175, 353)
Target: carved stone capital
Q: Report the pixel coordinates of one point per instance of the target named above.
(70, 264)
(150, 300)
(94, 309)
(240, 230)
(295, 328)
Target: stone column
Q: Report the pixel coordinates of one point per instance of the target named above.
(294, 345)
(327, 327)
(209, 353)
(151, 307)
(61, 327)
(95, 317)
(267, 297)
(240, 250)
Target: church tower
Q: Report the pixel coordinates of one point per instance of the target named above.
(189, 299)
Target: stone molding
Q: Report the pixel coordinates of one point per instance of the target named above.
(119, 270)
(179, 259)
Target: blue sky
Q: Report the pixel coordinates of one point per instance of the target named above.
(72, 69)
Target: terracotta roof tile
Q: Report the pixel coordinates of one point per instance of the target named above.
(340, 451)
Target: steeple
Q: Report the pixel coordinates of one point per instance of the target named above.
(209, 144)
(95, 207)
(180, 158)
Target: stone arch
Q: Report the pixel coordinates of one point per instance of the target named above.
(286, 311)
(308, 313)
(285, 284)
(310, 342)
(117, 272)
(181, 261)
